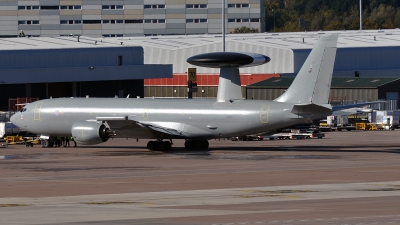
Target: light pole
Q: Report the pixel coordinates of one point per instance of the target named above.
(274, 16)
(223, 25)
(360, 14)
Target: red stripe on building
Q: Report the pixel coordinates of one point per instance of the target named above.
(180, 79)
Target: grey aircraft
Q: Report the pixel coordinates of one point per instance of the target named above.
(95, 120)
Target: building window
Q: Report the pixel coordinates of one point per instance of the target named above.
(242, 20)
(70, 22)
(120, 60)
(112, 7)
(238, 5)
(113, 35)
(28, 7)
(91, 21)
(155, 6)
(255, 20)
(28, 22)
(70, 7)
(112, 21)
(49, 7)
(196, 6)
(155, 21)
(196, 20)
(133, 21)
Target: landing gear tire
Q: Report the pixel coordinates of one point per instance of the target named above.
(151, 145)
(159, 145)
(196, 144)
(205, 144)
(167, 145)
(47, 143)
(189, 144)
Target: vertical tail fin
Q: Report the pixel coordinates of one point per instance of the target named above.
(312, 83)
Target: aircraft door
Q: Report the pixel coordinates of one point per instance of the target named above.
(36, 111)
(264, 114)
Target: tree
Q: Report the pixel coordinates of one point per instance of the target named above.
(331, 14)
(245, 29)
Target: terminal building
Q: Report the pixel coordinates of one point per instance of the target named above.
(126, 18)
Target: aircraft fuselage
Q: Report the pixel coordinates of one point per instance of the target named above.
(194, 118)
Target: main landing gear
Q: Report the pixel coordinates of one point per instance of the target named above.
(159, 145)
(196, 144)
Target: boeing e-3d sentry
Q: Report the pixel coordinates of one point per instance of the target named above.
(95, 120)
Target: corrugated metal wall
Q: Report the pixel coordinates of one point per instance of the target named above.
(264, 94)
(74, 57)
(370, 61)
(181, 92)
(355, 94)
(281, 59)
(349, 94)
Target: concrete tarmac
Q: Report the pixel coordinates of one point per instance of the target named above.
(345, 178)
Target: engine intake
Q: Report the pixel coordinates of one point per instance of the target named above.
(90, 133)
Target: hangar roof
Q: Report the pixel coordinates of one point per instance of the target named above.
(290, 40)
(62, 42)
(337, 82)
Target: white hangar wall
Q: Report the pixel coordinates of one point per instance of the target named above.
(281, 59)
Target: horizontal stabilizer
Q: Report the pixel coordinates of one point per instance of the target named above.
(341, 107)
(301, 109)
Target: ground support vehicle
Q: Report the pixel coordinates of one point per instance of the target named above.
(247, 138)
(27, 141)
(297, 135)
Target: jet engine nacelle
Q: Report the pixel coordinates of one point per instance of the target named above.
(90, 133)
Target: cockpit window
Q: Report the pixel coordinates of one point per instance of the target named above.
(23, 109)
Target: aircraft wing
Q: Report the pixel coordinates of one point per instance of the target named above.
(171, 128)
(162, 129)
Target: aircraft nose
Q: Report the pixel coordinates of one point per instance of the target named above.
(15, 119)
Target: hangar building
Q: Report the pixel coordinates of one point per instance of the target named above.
(366, 53)
(370, 52)
(344, 90)
(46, 67)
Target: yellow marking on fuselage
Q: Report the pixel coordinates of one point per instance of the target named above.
(264, 111)
(146, 113)
(36, 111)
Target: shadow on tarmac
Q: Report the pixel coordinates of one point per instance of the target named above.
(299, 149)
